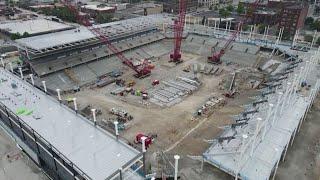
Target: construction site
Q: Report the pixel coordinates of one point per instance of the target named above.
(147, 93)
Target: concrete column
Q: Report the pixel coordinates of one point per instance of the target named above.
(11, 67)
(120, 173)
(226, 27)
(116, 128)
(285, 97)
(32, 80)
(2, 63)
(44, 86)
(255, 135)
(277, 107)
(285, 151)
(276, 168)
(75, 104)
(267, 120)
(59, 95)
(21, 74)
(176, 166)
(94, 116)
(313, 39)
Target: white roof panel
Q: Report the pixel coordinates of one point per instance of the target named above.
(97, 153)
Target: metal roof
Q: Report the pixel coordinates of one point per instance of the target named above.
(97, 153)
(34, 26)
(110, 29)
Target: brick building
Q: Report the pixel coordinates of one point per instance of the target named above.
(293, 17)
(172, 6)
(288, 14)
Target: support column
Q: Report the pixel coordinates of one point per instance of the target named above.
(277, 164)
(21, 74)
(44, 86)
(75, 104)
(32, 80)
(59, 95)
(2, 63)
(277, 107)
(255, 135)
(94, 116)
(176, 166)
(11, 68)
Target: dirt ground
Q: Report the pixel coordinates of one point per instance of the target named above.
(303, 158)
(177, 131)
(170, 124)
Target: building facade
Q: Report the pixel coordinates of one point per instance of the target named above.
(208, 3)
(288, 14)
(172, 6)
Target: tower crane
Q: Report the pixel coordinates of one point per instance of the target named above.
(142, 70)
(175, 56)
(216, 56)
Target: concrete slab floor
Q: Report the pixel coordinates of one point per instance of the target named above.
(303, 158)
(16, 166)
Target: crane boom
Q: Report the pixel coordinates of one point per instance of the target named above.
(178, 32)
(216, 57)
(142, 70)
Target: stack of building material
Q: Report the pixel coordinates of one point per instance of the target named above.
(173, 91)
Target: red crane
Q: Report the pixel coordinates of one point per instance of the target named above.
(142, 70)
(178, 32)
(216, 57)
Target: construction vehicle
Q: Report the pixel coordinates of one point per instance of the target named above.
(216, 56)
(149, 139)
(155, 82)
(131, 83)
(178, 26)
(142, 70)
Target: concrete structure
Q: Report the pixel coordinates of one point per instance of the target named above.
(56, 51)
(94, 10)
(293, 17)
(172, 6)
(208, 3)
(287, 14)
(49, 133)
(33, 27)
(254, 150)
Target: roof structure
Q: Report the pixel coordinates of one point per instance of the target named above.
(33, 27)
(97, 153)
(253, 148)
(82, 34)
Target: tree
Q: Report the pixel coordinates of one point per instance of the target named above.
(245, 27)
(316, 25)
(309, 21)
(224, 13)
(15, 36)
(216, 8)
(240, 8)
(230, 8)
(318, 41)
(261, 28)
(308, 38)
(25, 34)
(103, 18)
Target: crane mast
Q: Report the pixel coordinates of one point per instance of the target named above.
(175, 56)
(142, 70)
(216, 56)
